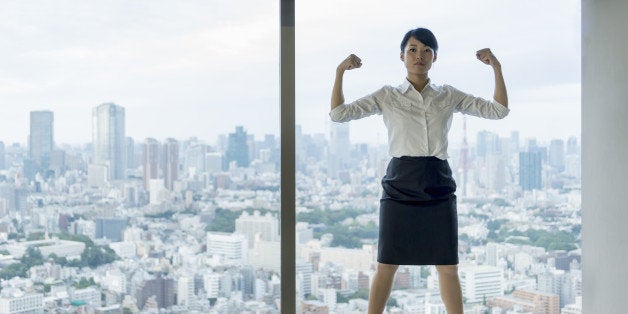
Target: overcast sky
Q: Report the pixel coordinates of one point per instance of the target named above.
(199, 68)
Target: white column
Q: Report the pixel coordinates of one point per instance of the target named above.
(604, 156)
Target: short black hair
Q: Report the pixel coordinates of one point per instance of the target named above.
(423, 35)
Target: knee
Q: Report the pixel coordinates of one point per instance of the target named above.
(386, 268)
(447, 270)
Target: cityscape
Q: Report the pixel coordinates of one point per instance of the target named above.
(129, 225)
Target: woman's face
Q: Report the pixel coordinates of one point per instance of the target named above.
(417, 57)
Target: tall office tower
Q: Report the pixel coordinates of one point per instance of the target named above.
(195, 159)
(185, 289)
(488, 143)
(266, 226)
(572, 146)
(130, 153)
(492, 253)
(170, 162)
(270, 142)
(109, 140)
(480, 282)
(150, 161)
(514, 141)
(2, 156)
(237, 148)
(162, 289)
(557, 155)
(303, 269)
(339, 148)
(530, 170)
(213, 162)
(41, 137)
(111, 228)
(496, 174)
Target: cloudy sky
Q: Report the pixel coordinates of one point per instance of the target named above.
(199, 68)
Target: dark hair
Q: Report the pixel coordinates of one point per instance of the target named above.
(423, 35)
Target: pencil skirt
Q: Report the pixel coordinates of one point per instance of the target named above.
(418, 223)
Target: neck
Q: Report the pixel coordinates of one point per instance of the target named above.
(418, 81)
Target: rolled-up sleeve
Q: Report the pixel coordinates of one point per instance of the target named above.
(361, 108)
(476, 106)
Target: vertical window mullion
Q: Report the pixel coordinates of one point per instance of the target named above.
(287, 73)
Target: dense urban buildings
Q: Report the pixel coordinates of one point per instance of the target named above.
(187, 226)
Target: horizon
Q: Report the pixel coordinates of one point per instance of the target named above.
(182, 69)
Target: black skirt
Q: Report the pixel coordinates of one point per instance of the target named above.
(418, 223)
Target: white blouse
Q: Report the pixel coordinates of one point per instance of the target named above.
(418, 123)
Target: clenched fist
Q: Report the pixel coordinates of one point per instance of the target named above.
(486, 56)
(351, 62)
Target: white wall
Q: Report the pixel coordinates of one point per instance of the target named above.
(605, 156)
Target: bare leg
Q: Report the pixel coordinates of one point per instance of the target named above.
(450, 291)
(380, 289)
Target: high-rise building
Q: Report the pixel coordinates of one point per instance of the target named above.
(213, 162)
(185, 289)
(41, 137)
(266, 226)
(109, 140)
(170, 163)
(339, 148)
(530, 170)
(303, 269)
(130, 153)
(572, 146)
(480, 283)
(492, 253)
(150, 162)
(111, 228)
(238, 148)
(162, 288)
(195, 161)
(211, 284)
(557, 155)
(116, 281)
(488, 143)
(2, 156)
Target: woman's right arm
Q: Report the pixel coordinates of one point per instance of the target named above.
(351, 62)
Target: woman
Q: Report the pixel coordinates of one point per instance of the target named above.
(418, 217)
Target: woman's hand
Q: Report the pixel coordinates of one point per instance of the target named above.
(351, 62)
(486, 56)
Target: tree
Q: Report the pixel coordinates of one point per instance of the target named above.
(84, 283)
(224, 221)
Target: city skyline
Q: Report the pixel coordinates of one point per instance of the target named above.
(182, 64)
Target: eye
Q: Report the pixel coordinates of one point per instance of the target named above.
(412, 50)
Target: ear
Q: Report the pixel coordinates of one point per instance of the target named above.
(401, 56)
(435, 55)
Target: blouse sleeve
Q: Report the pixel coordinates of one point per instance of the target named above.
(476, 106)
(361, 108)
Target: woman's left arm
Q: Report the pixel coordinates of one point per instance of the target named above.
(486, 56)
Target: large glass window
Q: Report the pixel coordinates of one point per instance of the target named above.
(518, 178)
(139, 156)
(140, 149)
